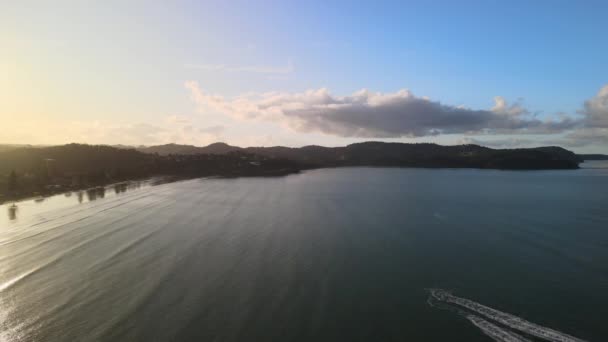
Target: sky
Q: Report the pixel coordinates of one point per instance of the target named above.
(255, 73)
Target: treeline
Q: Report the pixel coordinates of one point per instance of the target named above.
(41, 171)
(426, 155)
(399, 154)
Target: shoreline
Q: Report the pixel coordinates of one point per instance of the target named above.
(167, 178)
(155, 180)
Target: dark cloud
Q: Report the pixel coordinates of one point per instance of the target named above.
(415, 117)
(373, 115)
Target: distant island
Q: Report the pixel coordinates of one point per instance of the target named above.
(593, 156)
(33, 171)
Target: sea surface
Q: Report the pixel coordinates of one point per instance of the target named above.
(344, 254)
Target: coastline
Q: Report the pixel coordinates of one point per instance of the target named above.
(169, 178)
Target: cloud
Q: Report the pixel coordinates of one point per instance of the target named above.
(594, 128)
(259, 69)
(366, 114)
(178, 119)
(596, 109)
(587, 136)
(104, 132)
(502, 107)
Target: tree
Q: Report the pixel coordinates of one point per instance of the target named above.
(12, 181)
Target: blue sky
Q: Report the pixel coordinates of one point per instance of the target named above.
(117, 72)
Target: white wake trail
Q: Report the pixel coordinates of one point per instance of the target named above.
(504, 318)
(495, 332)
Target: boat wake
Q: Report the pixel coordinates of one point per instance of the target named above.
(495, 332)
(478, 313)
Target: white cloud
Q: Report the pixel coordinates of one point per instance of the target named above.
(596, 109)
(367, 114)
(587, 136)
(502, 107)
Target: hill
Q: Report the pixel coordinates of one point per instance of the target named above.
(168, 149)
(399, 154)
(29, 171)
(8, 147)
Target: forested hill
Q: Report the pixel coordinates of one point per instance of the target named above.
(164, 150)
(27, 171)
(73, 159)
(399, 154)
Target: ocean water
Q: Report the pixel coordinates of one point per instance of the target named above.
(345, 254)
